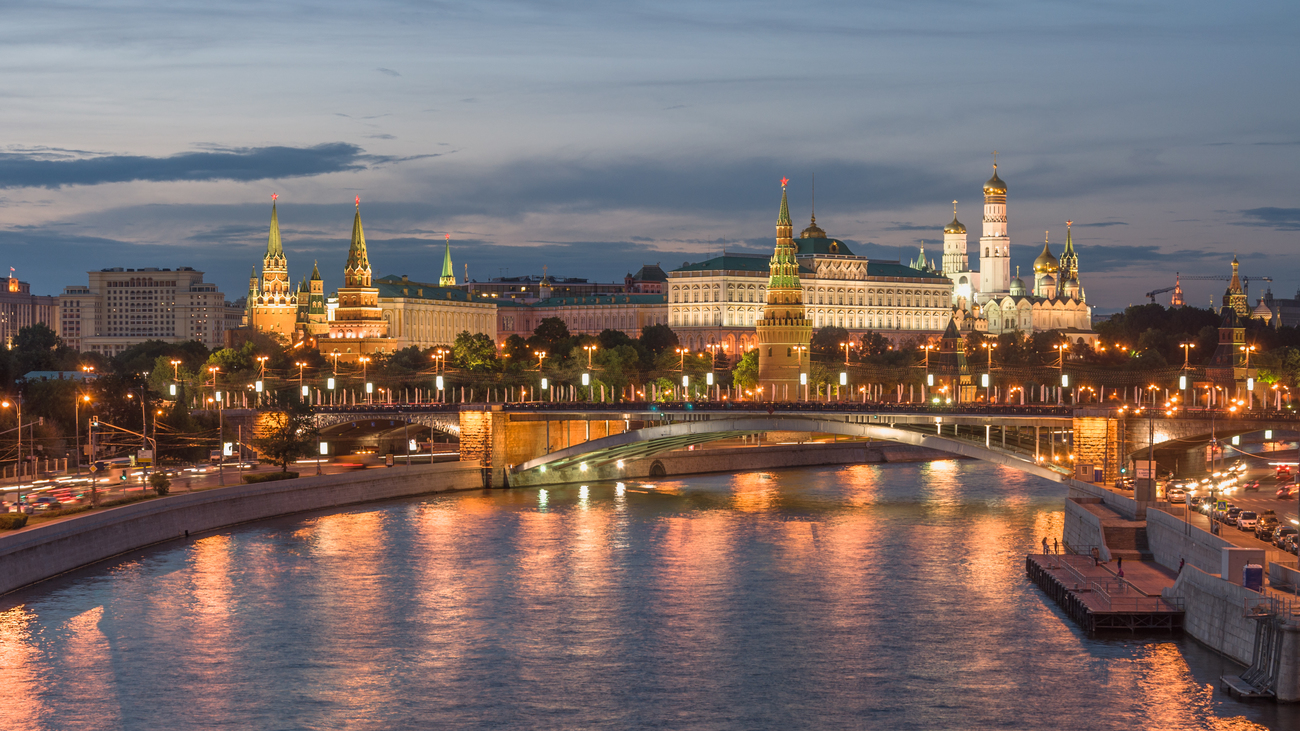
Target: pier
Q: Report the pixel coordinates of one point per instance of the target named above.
(1099, 600)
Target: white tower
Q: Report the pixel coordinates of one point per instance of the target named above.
(956, 263)
(995, 245)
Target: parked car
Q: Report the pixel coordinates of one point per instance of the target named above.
(1175, 495)
(1281, 534)
(1196, 501)
(1247, 520)
(1230, 515)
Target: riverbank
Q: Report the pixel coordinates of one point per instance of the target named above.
(44, 551)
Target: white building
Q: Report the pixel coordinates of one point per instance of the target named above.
(119, 308)
(717, 301)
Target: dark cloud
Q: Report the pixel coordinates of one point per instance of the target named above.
(41, 170)
(381, 137)
(1278, 219)
(387, 72)
(1103, 224)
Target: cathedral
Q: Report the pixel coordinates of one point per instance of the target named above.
(992, 300)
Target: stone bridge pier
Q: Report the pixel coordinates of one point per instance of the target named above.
(499, 439)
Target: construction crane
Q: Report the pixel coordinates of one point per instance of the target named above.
(1245, 283)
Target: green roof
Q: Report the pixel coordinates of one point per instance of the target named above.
(818, 245)
(739, 262)
(393, 286)
(894, 269)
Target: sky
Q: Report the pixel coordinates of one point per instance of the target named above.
(594, 137)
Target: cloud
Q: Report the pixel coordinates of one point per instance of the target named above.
(54, 169)
(896, 226)
(1103, 224)
(1278, 219)
(387, 72)
(381, 137)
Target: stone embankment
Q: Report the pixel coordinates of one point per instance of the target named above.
(40, 552)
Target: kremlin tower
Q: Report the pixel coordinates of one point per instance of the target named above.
(274, 308)
(784, 331)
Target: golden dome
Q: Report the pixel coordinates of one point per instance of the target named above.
(995, 184)
(956, 227)
(1045, 261)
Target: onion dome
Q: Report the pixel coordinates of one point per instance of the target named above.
(1045, 261)
(1017, 285)
(995, 186)
(956, 227)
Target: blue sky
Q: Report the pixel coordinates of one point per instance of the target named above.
(593, 137)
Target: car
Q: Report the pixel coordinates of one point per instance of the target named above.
(1282, 533)
(1195, 501)
(1291, 543)
(1251, 486)
(1264, 532)
(1286, 492)
(1230, 515)
(1247, 520)
(1175, 495)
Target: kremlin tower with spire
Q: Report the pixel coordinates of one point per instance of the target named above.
(273, 306)
(784, 330)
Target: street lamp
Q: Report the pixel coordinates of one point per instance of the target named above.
(590, 349)
(301, 388)
(683, 352)
(1186, 345)
(1247, 349)
(846, 347)
(365, 360)
(541, 356)
(76, 426)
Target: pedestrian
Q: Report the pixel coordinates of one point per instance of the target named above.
(1180, 566)
(1119, 563)
(1056, 546)
(1044, 545)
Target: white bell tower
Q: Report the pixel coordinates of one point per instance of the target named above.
(995, 245)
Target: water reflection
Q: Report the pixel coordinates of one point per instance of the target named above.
(889, 596)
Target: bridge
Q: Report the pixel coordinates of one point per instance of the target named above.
(534, 443)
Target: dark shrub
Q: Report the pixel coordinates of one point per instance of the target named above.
(270, 477)
(12, 521)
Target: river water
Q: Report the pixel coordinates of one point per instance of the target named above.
(873, 597)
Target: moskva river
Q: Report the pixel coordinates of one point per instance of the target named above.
(865, 597)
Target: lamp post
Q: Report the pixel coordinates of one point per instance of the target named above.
(541, 357)
(18, 461)
(76, 426)
(365, 360)
(221, 428)
(846, 347)
(683, 352)
(1060, 369)
(590, 349)
(301, 365)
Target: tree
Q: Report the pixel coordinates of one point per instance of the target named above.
(658, 338)
(35, 338)
(745, 374)
(826, 342)
(610, 339)
(476, 353)
(290, 432)
(516, 349)
(873, 343)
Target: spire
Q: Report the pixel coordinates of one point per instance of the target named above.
(448, 271)
(273, 248)
(315, 272)
(783, 218)
(813, 201)
(357, 271)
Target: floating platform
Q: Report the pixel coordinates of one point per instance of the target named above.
(1098, 600)
(1234, 686)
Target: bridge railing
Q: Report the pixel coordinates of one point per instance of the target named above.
(674, 407)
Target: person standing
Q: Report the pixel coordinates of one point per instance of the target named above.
(1056, 546)
(1181, 562)
(1044, 545)
(1119, 564)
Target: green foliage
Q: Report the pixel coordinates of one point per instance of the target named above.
(658, 338)
(825, 343)
(12, 521)
(610, 339)
(230, 360)
(291, 432)
(873, 344)
(745, 373)
(475, 353)
(517, 350)
(35, 338)
(270, 477)
(160, 483)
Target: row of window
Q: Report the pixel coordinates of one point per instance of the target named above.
(818, 295)
(858, 321)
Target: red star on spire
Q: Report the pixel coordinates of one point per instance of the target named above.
(358, 201)
(784, 181)
(274, 196)
(448, 237)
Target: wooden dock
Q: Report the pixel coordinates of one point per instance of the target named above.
(1100, 601)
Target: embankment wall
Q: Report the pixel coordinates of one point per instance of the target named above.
(40, 552)
(1215, 612)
